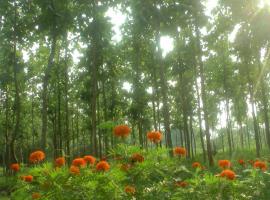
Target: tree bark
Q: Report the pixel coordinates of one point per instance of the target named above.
(66, 86)
(164, 93)
(199, 114)
(203, 93)
(255, 123)
(46, 79)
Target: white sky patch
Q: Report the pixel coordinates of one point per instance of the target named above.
(203, 31)
(263, 3)
(222, 115)
(127, 86)
(172, 83)
(149, 90)
(249, 108)
(117, 18)
(263, 54)
(233, 57)
(209, 6)
(232, 35)
(166, 43)
(76, 55)
(26, 53)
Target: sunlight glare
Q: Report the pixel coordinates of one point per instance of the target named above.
(127, 86)
(117, 18)
(166, 43)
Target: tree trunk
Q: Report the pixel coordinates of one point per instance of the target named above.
(228, 127)
(203, 93)
(255, 123)
(17, 100)
(59, 122)
(46, 78)
(264, 98)
(228, 122)
(165, 100)
(199, 115)
(192, 136)
(66, 86)
(106, 141)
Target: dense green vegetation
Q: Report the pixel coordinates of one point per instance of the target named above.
(198, 75)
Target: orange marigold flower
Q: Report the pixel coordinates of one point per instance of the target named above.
(196, 165)
(102, 166)
(261, 165)
(121, 130)
(241, 162)
(36, 156)
(180, 151)
(59, 162)
(182, 184)
(136, 157)
(36, 195)
(224, 164)
(79, 162)
(229, 174)
(15, 167)
(154, 136)
(130, 189)
(74, 170)
(28, 178)
(90, 159)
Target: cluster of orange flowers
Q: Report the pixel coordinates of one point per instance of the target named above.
(90, 159)
(224, 164)
(229, 174)
(82, 162)
(79, 162)
(179, 151)
(15, 167)
(260, 165)
(241, 162)
(36, 157)
(59, 162)
(27, 178)
(74, 170)
(196, 165)
(154, 136)
(226, 173)
(121, 131)
(102, 166)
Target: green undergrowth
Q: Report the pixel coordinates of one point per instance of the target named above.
(154, 178)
